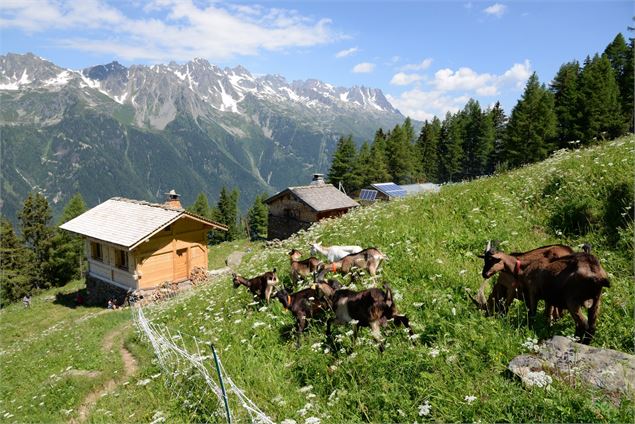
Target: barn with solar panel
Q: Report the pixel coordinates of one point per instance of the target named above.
(297, 208)
(381, 191)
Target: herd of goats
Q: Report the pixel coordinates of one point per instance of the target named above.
(563, 278)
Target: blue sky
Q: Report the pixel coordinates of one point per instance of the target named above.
(427, 56)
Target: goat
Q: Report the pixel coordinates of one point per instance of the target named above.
(304, 268)
(334, 253)
(306, 303)
(369, 308)
(260, 286)
(505, 289)
(566, 282)
(368, 260)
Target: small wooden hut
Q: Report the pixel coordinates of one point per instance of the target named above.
(139, 245)
(296, 208)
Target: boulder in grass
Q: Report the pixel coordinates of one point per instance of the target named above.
(562, 358)
(234, 259)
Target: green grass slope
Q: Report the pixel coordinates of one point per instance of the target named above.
(432, 240)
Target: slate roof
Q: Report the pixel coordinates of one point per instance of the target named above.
(127, 222)
(319, 197)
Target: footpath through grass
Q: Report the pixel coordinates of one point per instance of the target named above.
(453, 371)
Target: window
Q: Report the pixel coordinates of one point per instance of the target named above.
(96, 252)
(121, 259)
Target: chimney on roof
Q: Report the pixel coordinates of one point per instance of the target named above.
(318, 179)
(173, 199)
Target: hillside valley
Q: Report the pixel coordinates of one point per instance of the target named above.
(140, 131)
(454, 368)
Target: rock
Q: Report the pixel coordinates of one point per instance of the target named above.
(607, 369)
(234, 259)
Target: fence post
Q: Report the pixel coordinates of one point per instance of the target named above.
(222, 385)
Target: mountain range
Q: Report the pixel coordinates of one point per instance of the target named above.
(139, 131)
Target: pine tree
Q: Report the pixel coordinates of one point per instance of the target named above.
(399, 155)
(600, 106)
(567, 103)
(228, 213)
(68, 249)
(427, 143)
(450, 149)
(499, 122)
(378, 166)
(200, 206)
(34, 219)
(621, 57)
(343, 162)
(478, 140)
(532, 125)
(258, 217)
(360, 175)
(14, 263)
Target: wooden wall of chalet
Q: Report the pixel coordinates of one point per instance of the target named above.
(171, 254)
(107, 268)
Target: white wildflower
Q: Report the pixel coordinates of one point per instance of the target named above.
(417, 304)
(288, 421)
(454, 311)
(143, 382)
(424, 410)
(306, 389)
(469, 399)
(540, 379)
(434, 352)
(312, 420)
(258, 324)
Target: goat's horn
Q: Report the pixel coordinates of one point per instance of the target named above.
(489, 245)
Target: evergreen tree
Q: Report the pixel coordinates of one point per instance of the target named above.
(600, 106)
(377, 166)
(258, 217)
(478, 140)
(427, 143)
(228, 213)
(567, 103)
(14, 262)
(200, 206)
(621, 57)
(360, 175)
(343, 162)
(34, 219)
(68, 248)
(399, 155)
(532, 125)
(499, 122)
(450, 151)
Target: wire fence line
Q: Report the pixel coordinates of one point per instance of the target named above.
(189, 376)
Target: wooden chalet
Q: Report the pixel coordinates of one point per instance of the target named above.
(296, 208)
(140, 245)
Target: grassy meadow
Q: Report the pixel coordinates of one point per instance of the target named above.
(453, 370)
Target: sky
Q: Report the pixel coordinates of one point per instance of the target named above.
(428, 57)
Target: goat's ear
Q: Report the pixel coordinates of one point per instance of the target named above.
(274, 270)
(233, 275)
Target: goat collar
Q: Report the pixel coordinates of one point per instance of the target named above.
(333, 267)
(288, 301)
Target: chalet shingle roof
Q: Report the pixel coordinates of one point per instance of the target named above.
(128, 222)
(319, 197)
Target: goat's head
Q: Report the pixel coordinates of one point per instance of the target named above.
(283, 297)
(315, 248)
(493, 262)
(272, 278)
(235, 279)
(295, 254)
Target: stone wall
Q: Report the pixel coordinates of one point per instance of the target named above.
(283, 227)
(99, 291)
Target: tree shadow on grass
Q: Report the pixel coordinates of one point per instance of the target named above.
(73, 300)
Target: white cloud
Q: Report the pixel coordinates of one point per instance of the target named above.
(401, 78)
(496, 9)
(364, 68)
(347, 52)
(169, 29)
(450, 90)
(425, 64)
(422, 105)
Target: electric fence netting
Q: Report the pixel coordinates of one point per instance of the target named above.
(189, 375)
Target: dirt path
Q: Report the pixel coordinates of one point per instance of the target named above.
(129, 369)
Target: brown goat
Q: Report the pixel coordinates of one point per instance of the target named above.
(506, 288)
(260, 286)
(367, 260)
(306, 303)
(570, 282)
(369, 308)
(302, 268)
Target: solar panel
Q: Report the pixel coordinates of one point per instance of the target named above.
(390, 189)
(369, 195)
